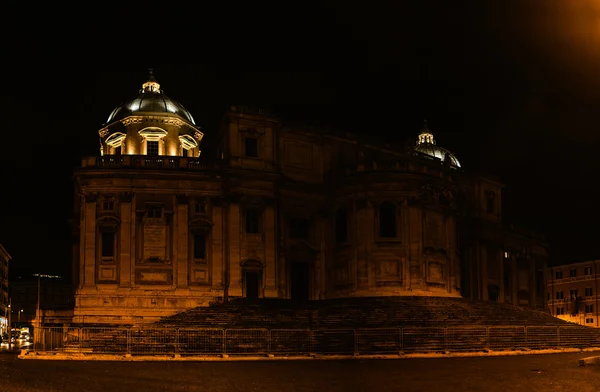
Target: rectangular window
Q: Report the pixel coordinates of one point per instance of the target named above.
(154, 212)
(589, 291)
(108, 244)
(572, 272)
(559, 275)
(573, 294)
(587, 271)
(251, 147)
(560, 295)
(152, 147)
(589, 308)
(199, 207)
(118, 150)
(184, 152)
(589, 321)
(252, 225)
(560, 311)
(506, 254)
(199, 246)
(299, 228)
(108, 205)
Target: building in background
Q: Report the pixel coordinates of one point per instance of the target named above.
(4, 297)
(51, 294)
(272, 210)
(573, 292)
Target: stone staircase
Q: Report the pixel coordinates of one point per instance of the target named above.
(366, 312)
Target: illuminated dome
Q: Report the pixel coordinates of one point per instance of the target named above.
(150, 99)
(426, 145)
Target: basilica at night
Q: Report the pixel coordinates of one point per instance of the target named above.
(281, 211)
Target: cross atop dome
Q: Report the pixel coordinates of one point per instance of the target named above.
(425, 136)
(151, 86)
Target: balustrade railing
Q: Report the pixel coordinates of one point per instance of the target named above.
(285, 342)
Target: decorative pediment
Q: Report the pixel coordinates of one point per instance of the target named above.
(153, 133)
(116, 139)
(252, 264)
(188, 142)
(108, 222)
(200, 224)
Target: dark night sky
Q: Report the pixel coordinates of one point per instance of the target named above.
(511, 87)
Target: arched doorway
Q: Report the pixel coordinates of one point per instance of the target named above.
(300, 281)
(252, 279)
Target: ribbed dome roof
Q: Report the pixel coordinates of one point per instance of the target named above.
(150, 99)
(426, 145)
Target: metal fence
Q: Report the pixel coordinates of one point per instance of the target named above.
(285, 342)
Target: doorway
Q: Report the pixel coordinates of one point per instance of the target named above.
(252, 284)
(300, 281)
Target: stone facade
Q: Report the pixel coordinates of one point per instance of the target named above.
(271, 211)
(573, 292)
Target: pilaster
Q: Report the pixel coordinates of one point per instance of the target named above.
(89, 269)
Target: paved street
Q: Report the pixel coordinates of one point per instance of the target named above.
(531, 373)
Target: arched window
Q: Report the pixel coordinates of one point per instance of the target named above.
(387, 220)
(341, 226)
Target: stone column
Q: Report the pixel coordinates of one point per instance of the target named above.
(514, 279)
(359, 226)
(125, 228)
(483, 276)
(216, 253)
(234, 231)
(182, 238)
(270, 273)
(89, 260)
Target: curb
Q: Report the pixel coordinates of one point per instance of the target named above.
(589, 361)
(249, 358)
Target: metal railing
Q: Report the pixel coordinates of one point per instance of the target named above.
(285, 342)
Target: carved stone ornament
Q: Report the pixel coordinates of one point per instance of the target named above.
(91, 197)
(183, 199)
(126, 197)
(103, 132)
(253, 131)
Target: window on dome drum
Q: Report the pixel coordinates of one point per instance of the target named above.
(199, 246)
(251, 147)
(572, 272)
(152, 147)
(108, 245)
(387, 220)
(154, 212)
(299, 228)
(252, 221)
(341, 226)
